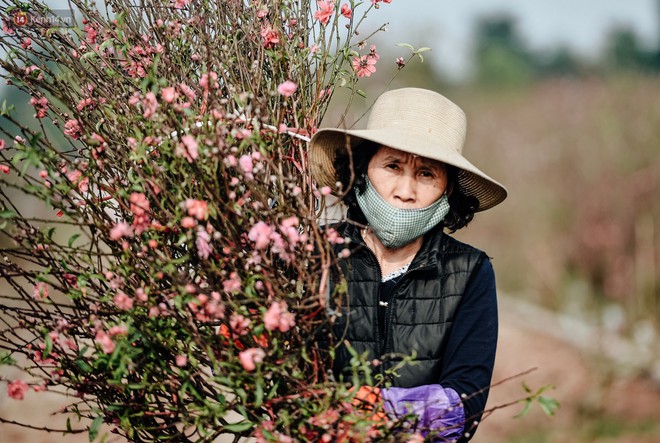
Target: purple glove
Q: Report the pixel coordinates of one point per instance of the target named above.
(439, 409)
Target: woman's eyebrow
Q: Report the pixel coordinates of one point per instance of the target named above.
(429, 163)
(392, 158)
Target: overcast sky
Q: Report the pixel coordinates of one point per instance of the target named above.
(447, 25)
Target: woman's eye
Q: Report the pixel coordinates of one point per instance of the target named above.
(426, 174)
(393, 166)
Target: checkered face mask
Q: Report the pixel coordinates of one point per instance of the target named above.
(397, 227)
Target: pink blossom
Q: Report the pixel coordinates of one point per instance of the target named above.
(2, 144)
(416, 438)
(140, 210)
(150, 104)
(188, 222)
(290, 227)
(231, 161)
(334, 237)
(203, 244)
(76, 178)
(179, 4)
(120, 230)
(197, 208)
(123, 301)
(40, 291)
(260, 234)
(168, 94)
(326, 190)
(39, 388)
(187, 91)
(141, 295)
(287, 88)
(72, 129)
(245, 163)
(278, 317)
(365, 66)
(400, 62)
(139, 203)
(205, 83)
(90, 34)
(118, 330)
(233, 284)
(188, 148)
(105, 341)
(6, 28)
(346, 10)
(181, 360)
(250, 357)
(239, 324)
(325, 11)
(42, 106)
(262, 11)
(17, 389)
(4, 169)
(270, 36)
(84, 103)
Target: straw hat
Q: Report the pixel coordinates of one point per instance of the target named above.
(413, 120)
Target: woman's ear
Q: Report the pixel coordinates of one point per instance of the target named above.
(450, 189)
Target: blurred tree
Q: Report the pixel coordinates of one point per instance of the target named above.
(502, 59)
(559, 62)
(624, 52)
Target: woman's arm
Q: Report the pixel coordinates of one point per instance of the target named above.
(467, 368)
(470, 354)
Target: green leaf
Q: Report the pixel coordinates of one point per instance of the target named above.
(424, 49)
(72, 239)
(361, 93)
(109, 42)
(8, 214)
(241, 426)
(5, 359)
(95, 427)
(548, 405)
(258, 395)
(406, 45)
(84, 366)
(88, 55)
(5, 111)
(421, 59)
(49, 345)
(525, 409)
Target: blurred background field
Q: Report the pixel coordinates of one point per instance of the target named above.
(573, 132)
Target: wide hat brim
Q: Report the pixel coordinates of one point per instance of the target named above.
(326, 143)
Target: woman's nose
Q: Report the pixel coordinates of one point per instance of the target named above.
(405, 189)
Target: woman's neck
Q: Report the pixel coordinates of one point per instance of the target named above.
(391, 259)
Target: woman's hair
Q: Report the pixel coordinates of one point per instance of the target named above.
(461, 206)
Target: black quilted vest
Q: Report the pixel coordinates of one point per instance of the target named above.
(421, 312)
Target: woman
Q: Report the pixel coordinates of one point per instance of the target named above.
(413, 289)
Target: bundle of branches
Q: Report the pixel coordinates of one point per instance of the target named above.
(162, 263)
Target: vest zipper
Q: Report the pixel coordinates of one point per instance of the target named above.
(388, 309)
(381, 342)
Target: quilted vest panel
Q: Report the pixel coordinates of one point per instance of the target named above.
(420, 316)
